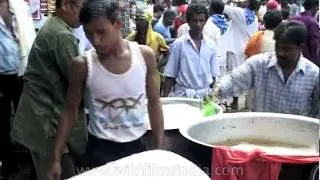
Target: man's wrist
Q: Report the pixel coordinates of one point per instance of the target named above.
(217, 93)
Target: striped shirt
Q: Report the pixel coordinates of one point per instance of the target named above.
(298, 95)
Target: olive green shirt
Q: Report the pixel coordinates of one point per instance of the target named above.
(45, 88)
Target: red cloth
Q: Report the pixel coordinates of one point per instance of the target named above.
(178, 22)
(183, 8)
(273, 5)
(230, 164)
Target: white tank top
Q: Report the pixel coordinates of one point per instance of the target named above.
(116, 102)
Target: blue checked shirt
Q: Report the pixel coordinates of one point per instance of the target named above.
(261, 73)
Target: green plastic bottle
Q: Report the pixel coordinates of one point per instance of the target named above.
(209, 107)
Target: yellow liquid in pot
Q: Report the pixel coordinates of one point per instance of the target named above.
(257, 142)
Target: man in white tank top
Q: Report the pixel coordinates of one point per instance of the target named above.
(118, 75)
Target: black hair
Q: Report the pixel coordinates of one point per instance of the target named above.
(292, 32)
(58, 3)
(158, 8)
(91, 9)
(285, 13)
(284, 3)
(217, 7)
(196, 9)
(309, 4)
(272, 19)
(179, 2)
(292, 1)
(169, 14)
(254, 5)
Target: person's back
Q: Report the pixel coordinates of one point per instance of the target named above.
(311, 49)
(45, 88)
(293, 9)
(243, 26)
(262, 41)
(244, 23)
(45, 81)
(51, 80)
(267, 41)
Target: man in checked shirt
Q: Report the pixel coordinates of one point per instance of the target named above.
(282, 82)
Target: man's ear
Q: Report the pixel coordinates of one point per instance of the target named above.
(65, 5)
(301, 46)
(118, 23)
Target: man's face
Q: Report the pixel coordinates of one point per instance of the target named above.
(73, 10)
(158, 14)
(169, 21)
(314, 10)
(197, 22)
(102, 34)
(141, 25)
(287, 53)
(4, 10)
(243, 4)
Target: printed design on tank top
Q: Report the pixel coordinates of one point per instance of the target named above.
(117, 107)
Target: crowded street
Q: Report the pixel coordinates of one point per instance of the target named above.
(170, 89)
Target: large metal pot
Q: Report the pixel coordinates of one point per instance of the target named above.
(176, 143)
(287, 129)
(176, 117)
(156, 164)
(314, 175)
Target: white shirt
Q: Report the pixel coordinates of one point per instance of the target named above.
(84, 43)
(209, 29)
(212, 31)
(192, 69)
(268, 42)
(183, 29)
(239, 33)
(117, 101)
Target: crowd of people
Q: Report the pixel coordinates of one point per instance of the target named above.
(78, 86)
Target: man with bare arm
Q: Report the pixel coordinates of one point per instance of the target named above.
(118, 75)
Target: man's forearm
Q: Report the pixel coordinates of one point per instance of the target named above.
(64, 128)
(156, 122)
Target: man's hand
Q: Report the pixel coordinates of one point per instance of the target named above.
(54, 172)
(216, 94)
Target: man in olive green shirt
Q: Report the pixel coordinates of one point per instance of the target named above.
(45, 88)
